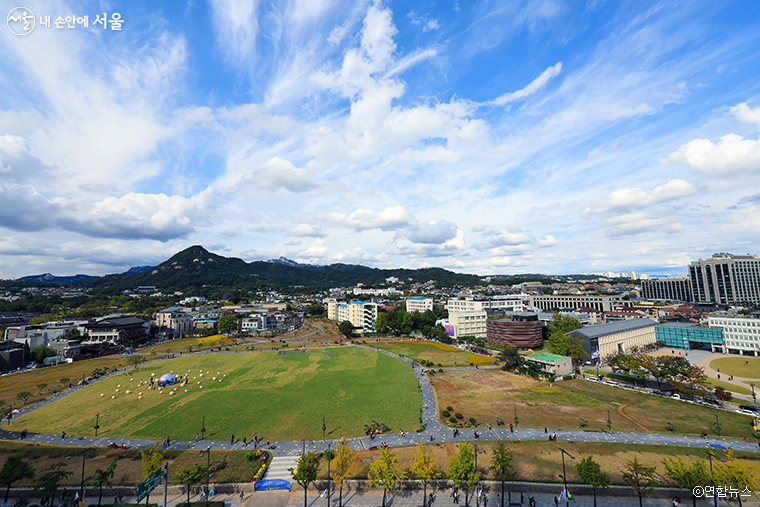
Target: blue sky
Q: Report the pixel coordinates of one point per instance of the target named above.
(486, 137)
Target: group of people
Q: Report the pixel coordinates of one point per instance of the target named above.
(553, 437)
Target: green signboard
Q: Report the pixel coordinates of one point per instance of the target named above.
(149, 484)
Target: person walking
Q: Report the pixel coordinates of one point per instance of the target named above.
(430, 499)
(63, 435)
(232, 440)
(197, 437)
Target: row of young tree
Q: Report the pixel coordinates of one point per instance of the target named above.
(735, 474)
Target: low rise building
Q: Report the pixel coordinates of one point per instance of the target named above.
(522, 331)
(175, 319)
(600, 303)
(686, 336)
(627, 336)
(508, 303)
(419, 304)
(117, 329)
(555, 365)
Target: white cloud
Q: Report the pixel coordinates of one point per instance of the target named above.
(306, 230)
(279, 173)
(391, 218)
(635, 197)
(437, 232)
(236, 27)
(746, 113)
(532, 88)
(730, 155)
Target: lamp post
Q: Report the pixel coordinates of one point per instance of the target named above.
(324, 426)
(84, 460)
(203, 427)
(564, 474)
(207, 452)
(97, 416)
(477, 498)
(515, 407)
(717, 424)
(710, 456)
(609, 421)
(329, 459)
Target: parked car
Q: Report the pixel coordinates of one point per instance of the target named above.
(752, 408)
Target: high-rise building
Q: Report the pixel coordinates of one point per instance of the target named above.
(726, 279)
(362, 315)
(673, 288)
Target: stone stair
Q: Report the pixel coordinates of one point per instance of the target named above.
(278, 468)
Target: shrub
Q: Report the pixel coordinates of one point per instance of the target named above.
(450, 409)
(459, 415)
(445, 413)
(472, 420)
(439, 365)
(499, 421)
(440, 370)
(453, 420)
(567, 377)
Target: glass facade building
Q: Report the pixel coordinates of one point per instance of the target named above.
(688, 336)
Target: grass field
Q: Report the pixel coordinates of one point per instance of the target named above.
(485, 394)
(727, 386)
(748, 367)
(11, 385)
(185, 345)
(440, 354)
(279, 396)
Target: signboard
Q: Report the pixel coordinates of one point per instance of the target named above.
(149, 484)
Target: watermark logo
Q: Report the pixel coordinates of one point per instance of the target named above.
(21, 21)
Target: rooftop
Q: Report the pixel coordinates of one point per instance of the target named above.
(545, 356)
(614, 327)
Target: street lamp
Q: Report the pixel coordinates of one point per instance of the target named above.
(477, 499)
(329, 458)
(564, 474)
(515, 406)
(717, 424)
(84, 460)
(96, 424)
(207, 452)
(324, 426)
(609, 421)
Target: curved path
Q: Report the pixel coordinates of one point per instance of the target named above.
(434, 431)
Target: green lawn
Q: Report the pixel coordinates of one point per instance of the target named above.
(727, 386)
(280, 396)
(748, 367)
(440, 354)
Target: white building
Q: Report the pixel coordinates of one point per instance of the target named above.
(176, 319)
(419, 304)
(674, 288)
(362, 315)
(505, 303)
(390, 291)
(468, 324)
(601, 303)
(741, 334)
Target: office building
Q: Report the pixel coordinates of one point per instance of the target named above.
(626, 336)
(467, 324)
(600, 303)
(686, 336)
(726, 279)
(522, 331)
(500, 303)
(671, 288)
(741, 334)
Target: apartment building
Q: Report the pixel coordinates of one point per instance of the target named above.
(176, 319)
(468, 324)
(507, 303)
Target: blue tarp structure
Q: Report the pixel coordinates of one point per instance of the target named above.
(167, 379)
(272, 484)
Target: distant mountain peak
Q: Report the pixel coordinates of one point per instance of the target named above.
(285, 261)
(49, 278)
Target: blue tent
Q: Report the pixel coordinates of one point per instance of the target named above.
(167, 379)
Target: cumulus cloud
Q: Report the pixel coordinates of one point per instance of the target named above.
(453, 246)
(436, 232)
(532, 88)
(730, 155)
(504, 243)
(635, 197)
(17, 164)
(746, 114)
(391, 218)
(279, 173)
(307, 230)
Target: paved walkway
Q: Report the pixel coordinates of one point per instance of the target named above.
(434, 432)
(743, 382)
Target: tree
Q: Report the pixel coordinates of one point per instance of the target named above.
(651, 367)
(342, 465)
(687, 476)
(737, 474)
(23, 396)
(191, 475)
(722, 394)
(48, 482)
(40, 352)
(41, 387)
(575, 348)
(102, 479)
(385, 471)
(306, 471)
(346, 328)
(315, 309)
(380, 326)
(462, 469)
(502, 464)
(623, 363)
(227, 324)
(14, 469)
(591, 473)
(135, 360)
(511, 357)
(152, 459)
(64, 380)
(423, 467)
(640, 477)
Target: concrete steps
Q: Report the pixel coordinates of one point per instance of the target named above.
(278, 468)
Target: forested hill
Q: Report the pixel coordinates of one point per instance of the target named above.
(195, 267)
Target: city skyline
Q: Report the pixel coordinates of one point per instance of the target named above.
(489, 137)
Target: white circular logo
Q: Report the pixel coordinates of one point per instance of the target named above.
(21, 21)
